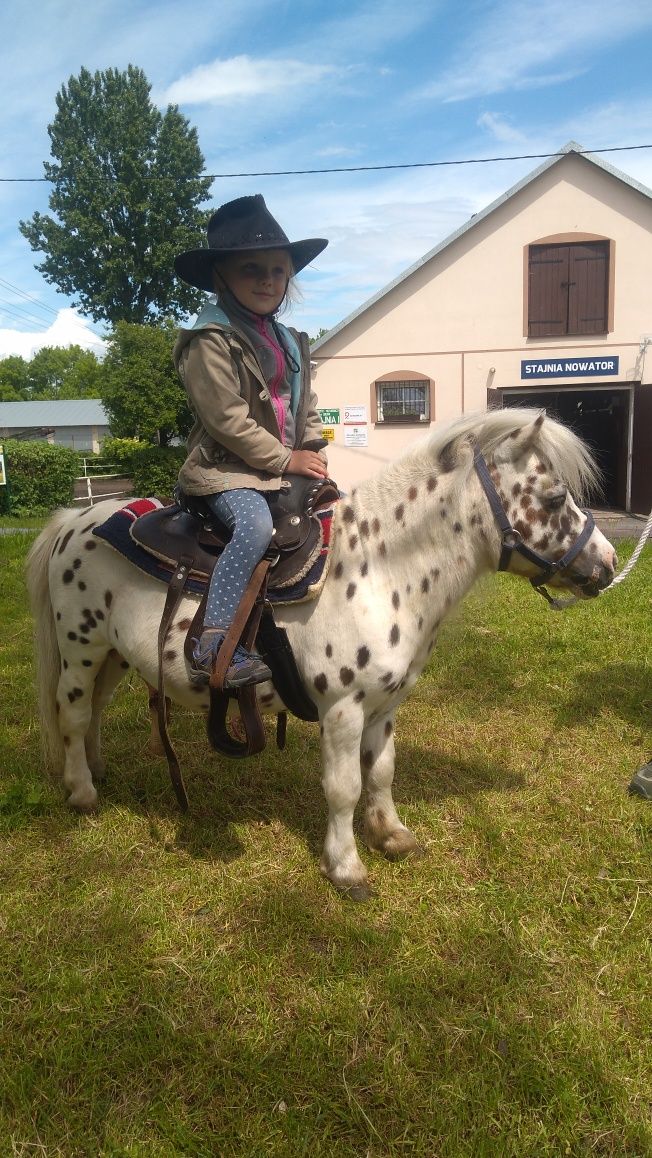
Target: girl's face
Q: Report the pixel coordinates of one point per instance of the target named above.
(257, 278)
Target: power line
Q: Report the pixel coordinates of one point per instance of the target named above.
(11, 307)
(360, 168)
(16, 311)
(28, 297)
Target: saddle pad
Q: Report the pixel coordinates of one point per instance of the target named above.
(115, 532)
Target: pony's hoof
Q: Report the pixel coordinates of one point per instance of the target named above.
(359, 892)
(395, 845)
(403, 849)
(83, 800)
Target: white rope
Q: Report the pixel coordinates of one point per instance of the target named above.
(637, 550)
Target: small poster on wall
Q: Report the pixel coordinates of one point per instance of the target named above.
(355, 436)
(355, 415)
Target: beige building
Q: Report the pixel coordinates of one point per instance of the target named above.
(541, 299)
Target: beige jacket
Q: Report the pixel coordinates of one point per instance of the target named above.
(235, 441)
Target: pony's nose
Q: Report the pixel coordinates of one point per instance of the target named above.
(607, 571)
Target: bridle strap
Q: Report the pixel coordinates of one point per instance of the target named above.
(512, 541)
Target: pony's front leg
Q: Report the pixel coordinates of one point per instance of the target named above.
(382, 828)
(342, 783)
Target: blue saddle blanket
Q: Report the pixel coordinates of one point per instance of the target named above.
(115, 532)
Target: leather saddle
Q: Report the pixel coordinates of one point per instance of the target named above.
(189, 528)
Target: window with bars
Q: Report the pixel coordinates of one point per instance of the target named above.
(568, 289)
(403, 400)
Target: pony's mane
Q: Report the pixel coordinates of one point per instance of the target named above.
(569, 457)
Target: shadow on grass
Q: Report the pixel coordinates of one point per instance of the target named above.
(277, 787)
(273, 787)
(457, 1038)
(622, 688)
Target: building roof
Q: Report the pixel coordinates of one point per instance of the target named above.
(71, 412)
(555, 159)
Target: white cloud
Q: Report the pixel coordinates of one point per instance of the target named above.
(523, 45)
(242, 78)
(68, 329)
(499, 127)
(336, 151)
(376, 231)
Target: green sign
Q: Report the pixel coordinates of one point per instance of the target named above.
(330, 417)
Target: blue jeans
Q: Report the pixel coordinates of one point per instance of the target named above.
(247, 515)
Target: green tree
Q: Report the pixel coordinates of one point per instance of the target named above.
(84, 377)
(13, 379)
(126, 191)
(54, 372)
(63, 372)
(141, 390)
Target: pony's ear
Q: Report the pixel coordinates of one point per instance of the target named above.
(522, 440)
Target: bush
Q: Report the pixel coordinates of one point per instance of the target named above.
(155, 469)
(121, 451)
(40, 476)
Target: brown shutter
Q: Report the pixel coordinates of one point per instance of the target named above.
(548, 290)
(588, 277)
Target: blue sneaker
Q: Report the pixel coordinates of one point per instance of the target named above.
(641, 782)
(246, 667)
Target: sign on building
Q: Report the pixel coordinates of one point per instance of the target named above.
(329, 417)
(569, 367)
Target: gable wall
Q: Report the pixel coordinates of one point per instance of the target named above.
(459, 319)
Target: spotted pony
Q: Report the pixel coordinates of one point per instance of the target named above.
(407, 546)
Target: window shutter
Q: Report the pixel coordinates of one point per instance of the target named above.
(548, 290)
(588, 288)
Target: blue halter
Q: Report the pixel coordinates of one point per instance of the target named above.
(512, 540)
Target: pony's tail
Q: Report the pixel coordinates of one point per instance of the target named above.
(48, 659)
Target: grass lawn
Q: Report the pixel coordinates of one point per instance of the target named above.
(189, 985)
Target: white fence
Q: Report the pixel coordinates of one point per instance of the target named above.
(96, 482)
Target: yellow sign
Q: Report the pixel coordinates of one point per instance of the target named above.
(328, 432)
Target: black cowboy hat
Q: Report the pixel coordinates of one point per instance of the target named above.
(243, 224)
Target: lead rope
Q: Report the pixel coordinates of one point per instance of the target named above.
(647, 531)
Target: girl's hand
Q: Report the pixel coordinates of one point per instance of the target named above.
(306, 462)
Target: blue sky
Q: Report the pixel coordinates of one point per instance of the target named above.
(313, 85)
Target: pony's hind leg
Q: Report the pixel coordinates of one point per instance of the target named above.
(383, 830)
(106, 681)
(75, 709)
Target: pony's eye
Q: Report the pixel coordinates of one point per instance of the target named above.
(556, 500)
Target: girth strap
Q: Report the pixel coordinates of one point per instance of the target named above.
(173, 598)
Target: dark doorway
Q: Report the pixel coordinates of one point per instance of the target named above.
(601, 418)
